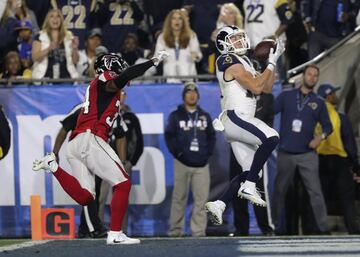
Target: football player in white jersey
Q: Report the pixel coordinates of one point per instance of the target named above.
(251, 140)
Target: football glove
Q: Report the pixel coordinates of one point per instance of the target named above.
(160, 56)
(274, 55)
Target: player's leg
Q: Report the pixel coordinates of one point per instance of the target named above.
(104, 162)
(70, 184)
(254, 132)
(244, 155)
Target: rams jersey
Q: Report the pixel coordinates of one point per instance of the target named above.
(76, 15)
(263, 17)
(233, 95)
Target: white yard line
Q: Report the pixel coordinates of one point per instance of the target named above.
(22, 245)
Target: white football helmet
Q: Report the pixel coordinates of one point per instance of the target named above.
(226, 41)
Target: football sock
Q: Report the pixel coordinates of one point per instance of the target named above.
(233, 188)
(260, 157)
(119, 204)
(72, 186)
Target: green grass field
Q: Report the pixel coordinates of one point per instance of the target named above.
(6, 242)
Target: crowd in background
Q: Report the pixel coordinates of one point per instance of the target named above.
(57, 39)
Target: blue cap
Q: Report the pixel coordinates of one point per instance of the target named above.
(326, 89)
(24, 24)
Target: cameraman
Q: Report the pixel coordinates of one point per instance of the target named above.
(5, 134)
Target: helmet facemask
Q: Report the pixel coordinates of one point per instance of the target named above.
(225, 45)
(242, 38)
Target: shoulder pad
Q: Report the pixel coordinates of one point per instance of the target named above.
(225, 61)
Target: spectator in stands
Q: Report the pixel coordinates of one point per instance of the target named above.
(229, 16)
(79, 16)
(13, 69)
(7, 32)
(296, 50)
(181, 42)
(23, 13)
(301, 109)
(117, 18)
(87, 56)
(5, 134)
(130, 49)
(190, 137)
(25, 38)
(337, 154)
(267, 19)
(327, 22)
(54, 49)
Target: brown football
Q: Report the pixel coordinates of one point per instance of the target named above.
(262, 49)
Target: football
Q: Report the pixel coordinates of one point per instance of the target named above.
(262, 49)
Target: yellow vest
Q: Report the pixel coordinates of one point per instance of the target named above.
(333, 144)
(1, 152)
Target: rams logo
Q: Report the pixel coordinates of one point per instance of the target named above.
(313, 105)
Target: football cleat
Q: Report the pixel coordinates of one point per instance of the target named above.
(249, 192)
(215, 210)
(115, 238)
(47, 163)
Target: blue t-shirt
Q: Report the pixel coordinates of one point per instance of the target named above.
(24, 50)
(308, 110)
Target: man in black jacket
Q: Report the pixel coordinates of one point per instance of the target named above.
(190, 138)
(5, 134)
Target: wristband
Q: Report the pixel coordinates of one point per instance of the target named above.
(271, 66)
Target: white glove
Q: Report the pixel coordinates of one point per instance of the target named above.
(218, 126)
(160, 56)
(274, 55)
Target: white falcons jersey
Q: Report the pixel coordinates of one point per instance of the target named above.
(261, 19)
(233, 95)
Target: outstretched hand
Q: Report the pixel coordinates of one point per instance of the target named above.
(274, 55)
(160, 56)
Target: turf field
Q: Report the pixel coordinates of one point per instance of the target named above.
(200, 247)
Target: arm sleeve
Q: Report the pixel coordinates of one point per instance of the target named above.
(131, 73)
(284, 13)
(347, 136)
(139, 149)
(170, 135)
(195, 46)
(69, 123)
(325, 122)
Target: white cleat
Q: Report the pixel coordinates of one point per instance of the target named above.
(116, 238)
(248, 191)
(48, 163)
(215, 210)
